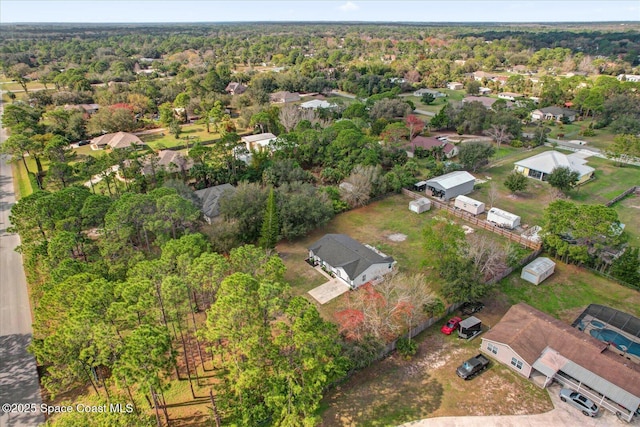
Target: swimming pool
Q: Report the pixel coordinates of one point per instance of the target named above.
(620, 341)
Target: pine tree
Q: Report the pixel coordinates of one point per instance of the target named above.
(270, 224)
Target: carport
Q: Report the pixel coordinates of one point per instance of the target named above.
(609, 396)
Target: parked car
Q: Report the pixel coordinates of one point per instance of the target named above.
(84, 142)
(451, 325)
(469, 308)
(472, 367)
(581, 402)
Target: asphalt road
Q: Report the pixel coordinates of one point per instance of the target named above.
(18, 375)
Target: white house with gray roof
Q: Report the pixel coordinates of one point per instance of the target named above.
(543, 164)
(350, 260)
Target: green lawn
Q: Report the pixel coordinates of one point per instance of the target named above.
(21, 179)
(12, 86)
(160, 141)
(629, 214)
(610, 181)
(601, 139)
(371, 224)
(568, 291)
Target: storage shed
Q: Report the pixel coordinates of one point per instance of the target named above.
(469, 327)
(451, 185)
(420, 205)
(470, 205)
(503, 218)
(538, 270)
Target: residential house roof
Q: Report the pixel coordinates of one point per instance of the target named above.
(433, 92)
(116, 140)
(170, 159)
(340, 250)
(258, 137)
(484, 100)
(549, 160)
(529, 332)
(284, 96)
(235, 88)
(510, 95)
(210, 198)
(452, 179)
(483, 75)
(429, 143)
(557, 111)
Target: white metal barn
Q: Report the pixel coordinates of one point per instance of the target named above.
(470, 205)
(451, 185)
(538, 270)
(420, 205)
(503, 218)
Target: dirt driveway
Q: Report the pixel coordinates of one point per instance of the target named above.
(563, 415)
(395, 391)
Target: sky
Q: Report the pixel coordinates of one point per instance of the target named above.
(124, 11)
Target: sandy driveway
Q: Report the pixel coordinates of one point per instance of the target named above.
(562, 415)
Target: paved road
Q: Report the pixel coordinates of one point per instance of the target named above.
(18, 376)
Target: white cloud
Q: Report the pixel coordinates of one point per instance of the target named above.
(349, 7)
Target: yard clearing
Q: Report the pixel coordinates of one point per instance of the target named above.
(568, 291)
(395, 390)
(610, 181)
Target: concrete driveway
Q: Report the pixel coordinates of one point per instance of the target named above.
(562, 415)
(328, 291)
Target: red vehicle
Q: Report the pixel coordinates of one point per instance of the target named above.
(451, 325)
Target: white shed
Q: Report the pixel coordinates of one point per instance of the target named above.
(470, 205)
(538, 270)
(503, 218)
(420, 205)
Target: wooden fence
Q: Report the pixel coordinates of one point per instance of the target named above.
(480, 223)
(418, 329)
(622, 196)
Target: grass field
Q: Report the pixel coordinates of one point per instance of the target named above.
(569, 291)
(20, 176)
(609, 182)
(16, 87)
(629, 214)
(438, 103)
(371, 224)
(160, 141)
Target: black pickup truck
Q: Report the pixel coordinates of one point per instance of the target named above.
(473, 366)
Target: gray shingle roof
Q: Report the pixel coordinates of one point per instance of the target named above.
(339, 250)
(210, 198)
